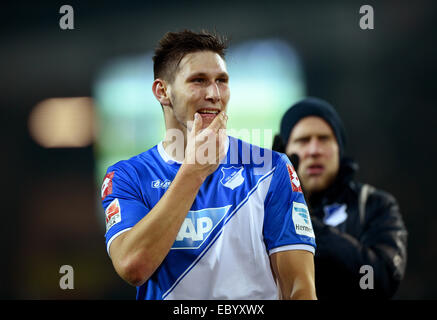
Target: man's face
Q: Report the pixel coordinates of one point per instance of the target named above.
(313, 140)
(200, 85)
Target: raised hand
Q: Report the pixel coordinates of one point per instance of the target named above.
(206, 147)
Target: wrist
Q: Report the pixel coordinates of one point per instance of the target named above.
(190, 176)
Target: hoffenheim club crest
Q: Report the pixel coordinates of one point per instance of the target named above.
(232, 177)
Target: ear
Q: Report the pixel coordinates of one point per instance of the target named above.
(161, 92)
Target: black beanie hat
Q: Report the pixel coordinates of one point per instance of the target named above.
(313, 107)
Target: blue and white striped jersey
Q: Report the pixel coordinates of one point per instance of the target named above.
(249, 208)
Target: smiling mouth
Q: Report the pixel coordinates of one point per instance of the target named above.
(208, 115)
(209, 111)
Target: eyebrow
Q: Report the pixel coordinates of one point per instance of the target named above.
(309, 135)
(205, 75)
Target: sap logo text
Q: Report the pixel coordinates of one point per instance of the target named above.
(204, 225)
(240, 309)
(159, 184)
(198, 226)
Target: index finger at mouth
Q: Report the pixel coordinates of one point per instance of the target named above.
(218, 122)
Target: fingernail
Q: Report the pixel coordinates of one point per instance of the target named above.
(196, 116)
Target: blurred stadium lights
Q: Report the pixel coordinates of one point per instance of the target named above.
(63, 122)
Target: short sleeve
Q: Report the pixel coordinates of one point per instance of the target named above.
(121, 202)
(287, 222)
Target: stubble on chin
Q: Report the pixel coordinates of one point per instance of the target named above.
(312, 185)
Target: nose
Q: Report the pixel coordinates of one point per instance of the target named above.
(314, 148)
(213, 93)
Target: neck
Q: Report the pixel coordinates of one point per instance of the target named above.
(175, 140)
(175, 143)
(316, 197)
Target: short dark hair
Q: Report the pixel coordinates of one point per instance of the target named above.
(175, 45)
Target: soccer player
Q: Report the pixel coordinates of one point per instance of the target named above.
(198, 216)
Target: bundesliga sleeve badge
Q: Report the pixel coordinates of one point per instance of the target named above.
(294, 179)
(107, 185)
(113, 214)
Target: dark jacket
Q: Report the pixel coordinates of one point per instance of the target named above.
(374, 237)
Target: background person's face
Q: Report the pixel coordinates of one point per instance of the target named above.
(313, 140)
(200, 85)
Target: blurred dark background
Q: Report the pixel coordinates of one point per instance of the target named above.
(381, 81)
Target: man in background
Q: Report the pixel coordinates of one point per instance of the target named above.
(361, 238)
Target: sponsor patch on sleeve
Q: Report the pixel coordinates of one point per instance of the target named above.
(107, 185)
(294, 179)
(113, 214)
(302, 220)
